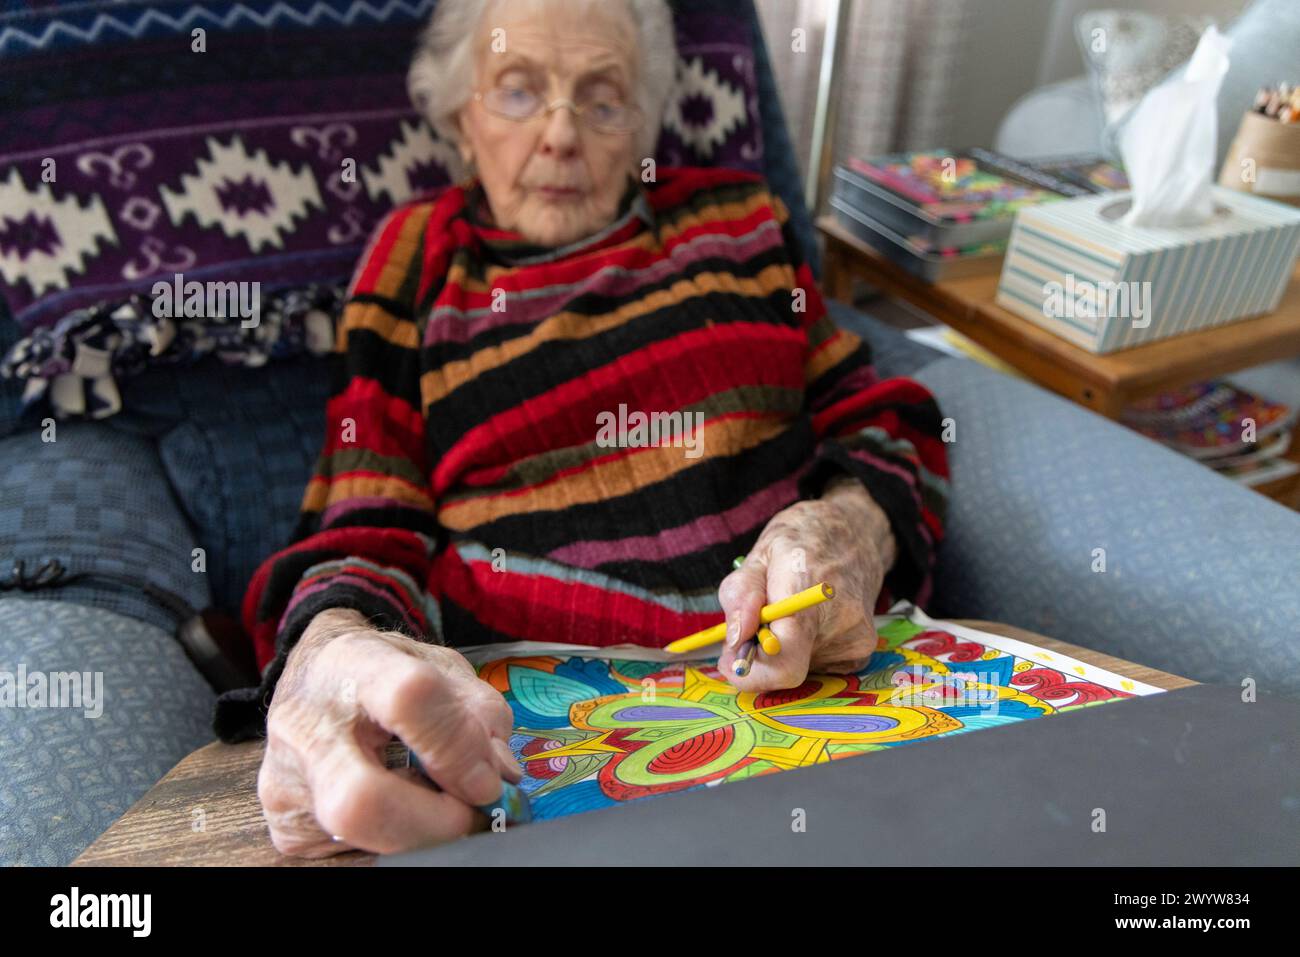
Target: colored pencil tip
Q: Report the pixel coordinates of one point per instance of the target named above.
(513, 805)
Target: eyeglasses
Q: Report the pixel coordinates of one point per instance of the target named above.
(513, 103)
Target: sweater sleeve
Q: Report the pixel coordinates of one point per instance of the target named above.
(366, 530)
(887, 433)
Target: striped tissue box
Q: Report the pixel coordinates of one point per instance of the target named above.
(1074, 270)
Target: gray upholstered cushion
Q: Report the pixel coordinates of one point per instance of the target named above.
(67, 776)
(1202, 576)
(238, 446)
(97, 500)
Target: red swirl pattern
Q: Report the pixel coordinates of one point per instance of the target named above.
(936, 644)
(773, 699)
(695, 753)
(1054, 687)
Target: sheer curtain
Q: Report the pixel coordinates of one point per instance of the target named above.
(895, 82)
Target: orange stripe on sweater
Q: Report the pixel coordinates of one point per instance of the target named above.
(561, 416)
(437, 384)
(622, 472)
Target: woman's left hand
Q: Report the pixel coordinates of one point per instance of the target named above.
(842, 538)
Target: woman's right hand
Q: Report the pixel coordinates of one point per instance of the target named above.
(346, 690)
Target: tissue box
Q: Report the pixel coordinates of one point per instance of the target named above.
(1073, 269)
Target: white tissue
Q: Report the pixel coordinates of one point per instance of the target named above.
(1169, 144)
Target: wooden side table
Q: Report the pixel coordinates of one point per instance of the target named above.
(221, 781)
(1103, 383)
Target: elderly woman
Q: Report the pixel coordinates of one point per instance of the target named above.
(469, 490)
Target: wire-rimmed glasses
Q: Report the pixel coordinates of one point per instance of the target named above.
(520, 105)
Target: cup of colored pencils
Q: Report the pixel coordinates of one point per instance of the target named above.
(1264, 158)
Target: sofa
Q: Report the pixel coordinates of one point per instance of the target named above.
(116, 531)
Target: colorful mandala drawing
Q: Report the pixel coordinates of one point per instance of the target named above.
(594, 732)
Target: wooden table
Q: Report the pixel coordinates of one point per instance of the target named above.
(1103, 383)
(220, 780)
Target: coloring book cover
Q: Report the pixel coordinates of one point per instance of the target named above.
(1206, 419)
(951, 188)
(598, 727)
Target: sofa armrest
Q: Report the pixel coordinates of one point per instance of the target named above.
(1201, 576)
(69, 772)
(96, 501)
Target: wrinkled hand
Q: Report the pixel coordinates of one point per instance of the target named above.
(844, 539)
(346, 690)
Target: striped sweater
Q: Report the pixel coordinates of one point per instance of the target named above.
(490, 470)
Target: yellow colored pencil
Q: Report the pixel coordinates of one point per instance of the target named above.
(780, 609)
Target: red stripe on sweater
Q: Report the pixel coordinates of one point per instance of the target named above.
(439, 240)
(385, 424)
(396, 547)
(380, 256)
(662, 373)
(845, 414)
(515, 604)
(733, 228)
(530, 278)
(492, 476)
(676, 185)
(855, 412)
(580, 269)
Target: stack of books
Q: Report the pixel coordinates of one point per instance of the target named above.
(943, 214)
(1237, 433)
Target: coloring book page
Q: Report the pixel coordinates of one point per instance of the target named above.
(596, 727)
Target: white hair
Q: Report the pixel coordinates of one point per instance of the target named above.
(441, 78)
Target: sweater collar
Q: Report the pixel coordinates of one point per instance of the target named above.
(510, 247)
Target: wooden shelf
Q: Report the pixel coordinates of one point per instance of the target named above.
(1103, 383)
